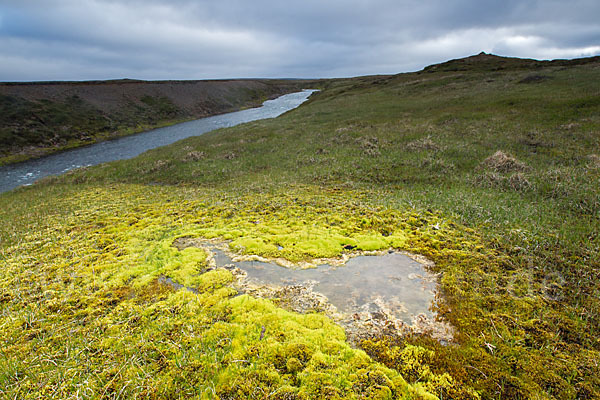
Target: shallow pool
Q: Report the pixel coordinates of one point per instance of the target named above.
(393, 283)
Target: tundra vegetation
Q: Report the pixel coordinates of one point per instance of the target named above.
(487, 166)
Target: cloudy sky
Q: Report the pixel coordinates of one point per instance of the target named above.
(201, 39)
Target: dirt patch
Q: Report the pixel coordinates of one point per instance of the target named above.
(158, 165)
(422, 144)
(230, 155)
(517, 181)
(182, 243)
(534, 79)
(570, 126)
(369, 145)
(503, 163)
(194, 156)
(593, 161)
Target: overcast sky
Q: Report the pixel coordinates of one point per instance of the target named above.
(187, 39)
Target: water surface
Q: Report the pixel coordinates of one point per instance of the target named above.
(25, 173)
(392, 283)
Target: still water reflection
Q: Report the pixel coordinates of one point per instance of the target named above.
(392, 282)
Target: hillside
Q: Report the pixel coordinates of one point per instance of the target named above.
(39, 118)
(491, 62)
(492, 173)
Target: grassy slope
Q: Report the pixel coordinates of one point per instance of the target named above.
(365, 160)
(42, 118)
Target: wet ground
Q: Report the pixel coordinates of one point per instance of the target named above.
(376, 294)
(364, 283)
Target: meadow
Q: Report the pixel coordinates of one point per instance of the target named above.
(487, 166)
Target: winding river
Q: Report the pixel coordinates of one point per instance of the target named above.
(25, 173)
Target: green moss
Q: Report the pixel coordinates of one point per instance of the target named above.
(98, 310)
(97, 268)
(253, 246)
(371, 242)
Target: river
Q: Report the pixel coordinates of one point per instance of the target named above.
(25, 173)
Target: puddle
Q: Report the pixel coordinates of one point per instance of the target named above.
(170, 282)
(364, 283)
(378, 294)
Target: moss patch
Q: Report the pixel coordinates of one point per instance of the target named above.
(85, 292)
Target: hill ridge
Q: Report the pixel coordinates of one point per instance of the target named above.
(492, 62)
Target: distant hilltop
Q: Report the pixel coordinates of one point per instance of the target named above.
(491, 62)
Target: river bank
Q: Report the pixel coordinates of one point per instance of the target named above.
(35, 152)
(42, 118)
(25, 173)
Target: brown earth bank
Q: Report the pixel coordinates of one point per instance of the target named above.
(39, 118)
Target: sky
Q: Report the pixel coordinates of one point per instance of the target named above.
(199, 39)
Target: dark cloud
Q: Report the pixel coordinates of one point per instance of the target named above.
(190, 39)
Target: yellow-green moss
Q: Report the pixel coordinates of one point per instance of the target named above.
(84, 308)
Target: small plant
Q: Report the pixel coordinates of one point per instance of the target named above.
(194, 156)
(593, 161)
(503, 162)
(425, 143)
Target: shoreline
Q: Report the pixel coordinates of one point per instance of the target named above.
(43, 124)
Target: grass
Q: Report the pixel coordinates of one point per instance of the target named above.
(488, 172)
